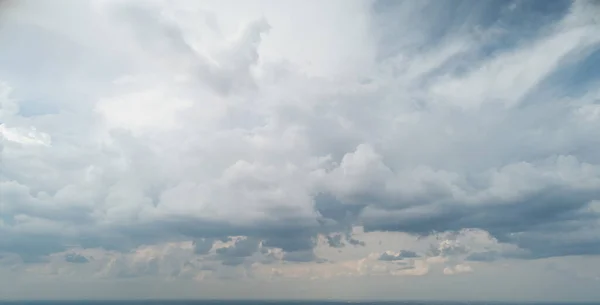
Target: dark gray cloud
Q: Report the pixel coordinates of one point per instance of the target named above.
(548, 211)
(291, 242)
(203, 246)
(335, 240)
(402, 254)
(487, 256)
(76, 258)
(237, 253)
(300, 256)
(339, 240)
(356, 242)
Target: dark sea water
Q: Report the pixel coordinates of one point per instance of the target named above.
(272, 302)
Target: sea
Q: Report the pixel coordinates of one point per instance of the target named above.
(274, 302)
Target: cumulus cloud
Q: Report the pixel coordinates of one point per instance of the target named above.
(203, 246)
(458, 269)
(76, 258)
(487, 256)
(394, 256)
(151, 124)
(238, 251)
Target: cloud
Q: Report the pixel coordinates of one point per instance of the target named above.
(76, 258)
(339, 240)
(152, 124)
(448, 247)
(458, 269)
(395, 256)
(300, 256)
(236, 253)
(335, 240)
(203, 246)
(488, 256)
(377, 264)
(547, 204)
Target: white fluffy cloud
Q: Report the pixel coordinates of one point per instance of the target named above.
(188, 141)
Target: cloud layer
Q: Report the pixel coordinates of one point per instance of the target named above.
(186, 140)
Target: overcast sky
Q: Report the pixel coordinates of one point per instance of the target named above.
(300, 149)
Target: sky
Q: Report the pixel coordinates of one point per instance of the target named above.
(340, 149)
